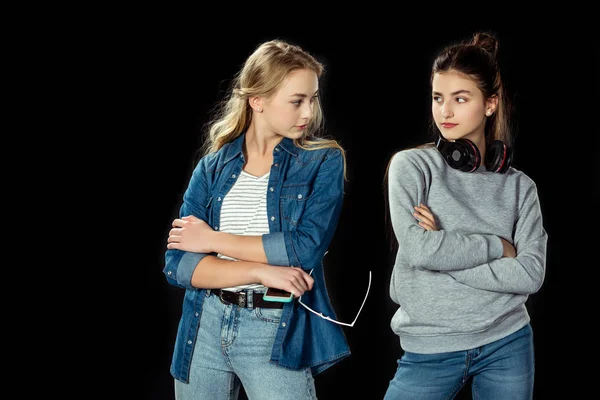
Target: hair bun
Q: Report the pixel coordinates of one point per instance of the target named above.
(486, 41)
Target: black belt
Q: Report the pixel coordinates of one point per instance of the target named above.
(240, 299)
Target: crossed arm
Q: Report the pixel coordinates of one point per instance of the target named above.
(519, 272)
(192, 234)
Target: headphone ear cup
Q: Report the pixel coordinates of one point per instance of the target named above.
(465, 155)
(498, 157)
(462, 154)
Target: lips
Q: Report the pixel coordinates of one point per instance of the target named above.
(448, 125)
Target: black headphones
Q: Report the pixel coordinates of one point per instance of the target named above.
(463, 155)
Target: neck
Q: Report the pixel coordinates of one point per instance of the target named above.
(260, 142)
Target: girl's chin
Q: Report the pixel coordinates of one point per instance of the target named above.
(294, 134)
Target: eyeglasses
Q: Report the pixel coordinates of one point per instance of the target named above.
(331, 319)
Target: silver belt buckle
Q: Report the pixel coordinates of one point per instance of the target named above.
(242, 299)
(241, 302)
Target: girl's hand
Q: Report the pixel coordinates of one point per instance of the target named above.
(190, 234)
(291, 279)
(425, 217)
(508, 250)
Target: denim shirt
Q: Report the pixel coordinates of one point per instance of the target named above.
(304, 201)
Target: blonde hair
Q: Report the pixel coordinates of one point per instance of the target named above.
(262, 74)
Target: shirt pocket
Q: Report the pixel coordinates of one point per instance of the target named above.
(293, 202)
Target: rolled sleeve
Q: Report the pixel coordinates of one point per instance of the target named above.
(275, 250)
(180, 265)
(186, 268)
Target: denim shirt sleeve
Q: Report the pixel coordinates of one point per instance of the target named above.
(306, 245)
(274, 246)
(179, 264)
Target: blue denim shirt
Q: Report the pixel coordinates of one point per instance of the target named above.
(304, 201)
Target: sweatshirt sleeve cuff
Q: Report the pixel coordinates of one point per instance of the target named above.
(274, 246)
(496, 248)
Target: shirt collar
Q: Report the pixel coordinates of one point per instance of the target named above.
(235, 149)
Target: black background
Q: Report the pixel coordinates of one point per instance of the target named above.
(376, 98)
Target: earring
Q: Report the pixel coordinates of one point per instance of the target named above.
(488, 113)
(259, 109)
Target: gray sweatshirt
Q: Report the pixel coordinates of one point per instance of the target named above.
(454, 288)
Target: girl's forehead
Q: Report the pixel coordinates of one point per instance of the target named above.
(452, 81)
(301, 82)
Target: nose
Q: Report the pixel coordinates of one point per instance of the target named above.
(447, 110)
(307, 111)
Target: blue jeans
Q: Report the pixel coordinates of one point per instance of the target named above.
(502, 370)
(232, 348)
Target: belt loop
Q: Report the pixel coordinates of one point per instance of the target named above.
(250, 299)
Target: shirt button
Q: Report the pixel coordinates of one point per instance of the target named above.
(169, 273)
(299, 196)
(272, 218)
(189, 342)
(283, 324)
(216, 228)
(277, 165)
(233, 176)
(196, 314)
(219, 199)
(271, 189)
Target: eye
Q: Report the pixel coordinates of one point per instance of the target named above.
(297, 103)
(314, 98)
(461, 100)
(437, 99)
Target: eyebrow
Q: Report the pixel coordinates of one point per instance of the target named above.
(302, 94)
(455, 93)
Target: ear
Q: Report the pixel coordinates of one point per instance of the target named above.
(256, 103)
(491, 104)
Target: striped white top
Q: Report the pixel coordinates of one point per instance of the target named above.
(244, 212)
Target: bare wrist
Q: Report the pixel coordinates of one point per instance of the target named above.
(214, 239)
(256, 274)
